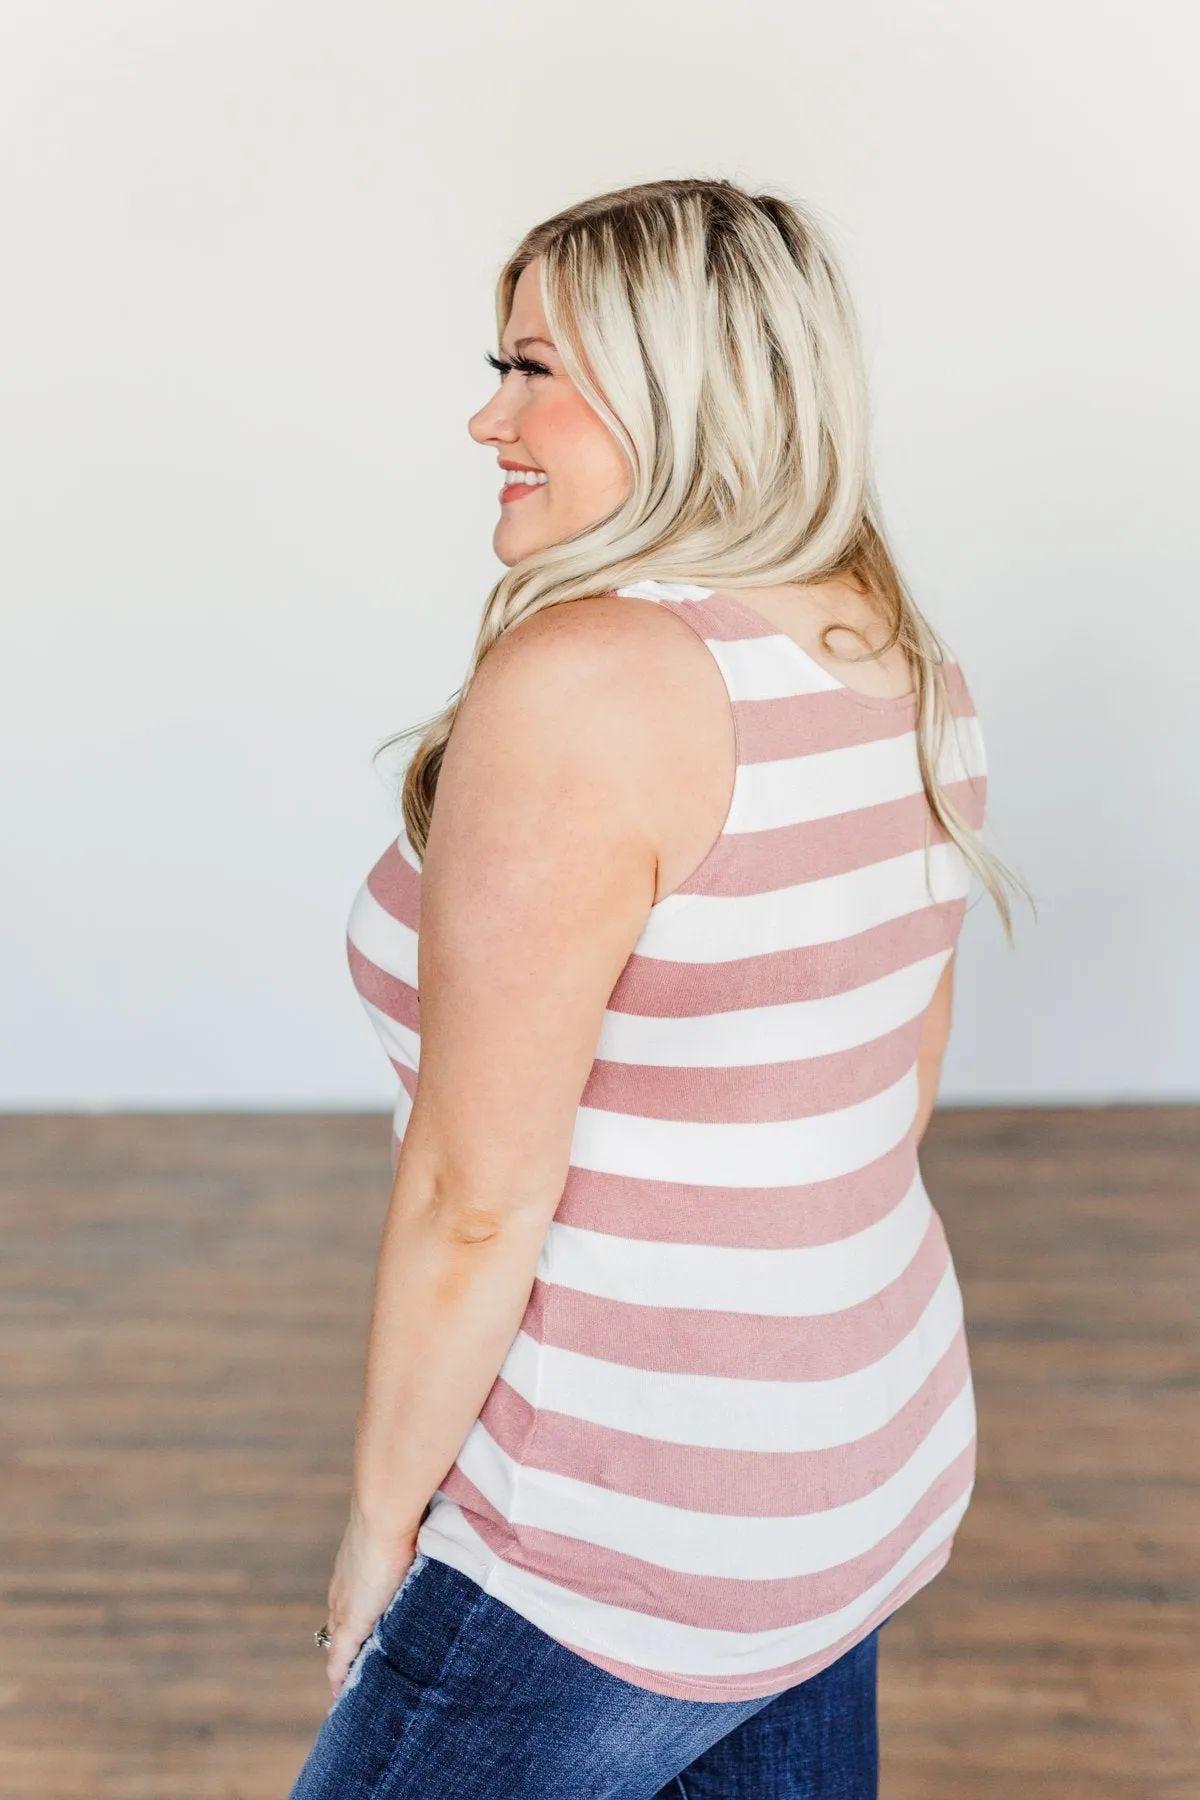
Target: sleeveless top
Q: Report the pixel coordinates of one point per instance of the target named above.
(735, 1430)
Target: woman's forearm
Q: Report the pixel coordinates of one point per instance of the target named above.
(451, 1288)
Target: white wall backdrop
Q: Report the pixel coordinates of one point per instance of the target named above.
(248, 255)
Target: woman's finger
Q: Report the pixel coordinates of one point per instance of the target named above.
(348, 1640)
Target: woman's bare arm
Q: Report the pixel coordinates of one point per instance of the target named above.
(539, 875)
(935, 1033)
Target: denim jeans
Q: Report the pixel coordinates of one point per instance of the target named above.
(456, 1697)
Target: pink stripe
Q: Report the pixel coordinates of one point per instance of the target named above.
(770, 1218)
(799, 724)
(761, 1092)
(715, 1603)
(772, 1681)
(657, 988)
(396, 885)
(715, 622)
(787, 856)
(395, 998)
(958, 695)
(755, 1484)
(678, 1340)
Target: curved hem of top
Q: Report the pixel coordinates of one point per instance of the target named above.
(763, 1686)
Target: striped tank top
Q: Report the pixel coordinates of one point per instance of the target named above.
(736, 1429)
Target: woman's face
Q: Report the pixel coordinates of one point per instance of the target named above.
(563, 468)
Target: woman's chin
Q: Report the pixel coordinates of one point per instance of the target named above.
(511, 543)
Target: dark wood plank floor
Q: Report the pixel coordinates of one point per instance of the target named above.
(184, 1302)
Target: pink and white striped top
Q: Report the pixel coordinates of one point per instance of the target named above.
(736, 1427)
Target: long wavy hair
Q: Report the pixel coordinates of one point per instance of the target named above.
(713, 332)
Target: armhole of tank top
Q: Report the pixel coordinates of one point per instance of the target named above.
(692, 613)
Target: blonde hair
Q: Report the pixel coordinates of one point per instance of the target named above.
(712, 331)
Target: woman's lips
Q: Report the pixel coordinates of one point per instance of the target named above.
(518, 491)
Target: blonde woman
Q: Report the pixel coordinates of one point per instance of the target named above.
(667, 1404)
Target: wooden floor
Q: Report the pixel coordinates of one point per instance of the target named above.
(184, 1301)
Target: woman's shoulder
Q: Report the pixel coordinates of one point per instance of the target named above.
(598, 633)
(609, 698)
(616, 658)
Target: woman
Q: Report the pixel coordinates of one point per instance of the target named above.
(667, 1404)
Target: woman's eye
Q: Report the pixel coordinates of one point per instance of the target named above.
(522, 364)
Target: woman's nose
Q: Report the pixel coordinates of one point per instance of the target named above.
(491, 424)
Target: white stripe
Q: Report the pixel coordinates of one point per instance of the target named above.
(695, 1543)
(402, 1112)
(665, 590)
(725, 928)
(400, 1042)
(383, 940)
(640, 1639)
(407, 852)
(764, 1153)
(725, 1413)
(768, 668)
(790, 1031)
(779, 1284)
(793, 790)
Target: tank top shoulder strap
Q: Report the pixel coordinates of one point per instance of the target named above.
(701, 609)
(768, 680)
(756, 659)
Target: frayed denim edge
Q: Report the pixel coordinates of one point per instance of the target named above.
(354, 1672)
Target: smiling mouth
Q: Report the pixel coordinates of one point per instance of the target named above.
(519, 483)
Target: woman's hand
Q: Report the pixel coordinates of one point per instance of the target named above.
(366, 1573)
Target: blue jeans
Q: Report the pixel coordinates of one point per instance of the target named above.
(456, 1697)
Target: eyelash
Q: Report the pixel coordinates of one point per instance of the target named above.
(522, 364)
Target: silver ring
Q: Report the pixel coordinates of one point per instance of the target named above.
(322, 1639)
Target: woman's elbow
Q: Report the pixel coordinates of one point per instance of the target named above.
(471, 1214)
